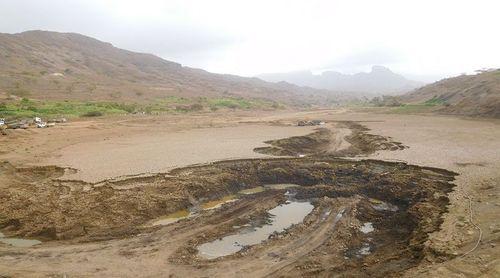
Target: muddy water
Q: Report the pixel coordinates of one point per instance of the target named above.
(172, 218)
(279, 186)
(282, 217)
(18, 242)
(218, 203)
(383, 206)
(186, 213)
(252, 190)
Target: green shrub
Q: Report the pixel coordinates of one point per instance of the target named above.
(92, 114)
(435, 101)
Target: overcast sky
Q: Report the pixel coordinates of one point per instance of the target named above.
(415, 37)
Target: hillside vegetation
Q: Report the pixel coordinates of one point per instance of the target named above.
(468, 95)
(66, 66)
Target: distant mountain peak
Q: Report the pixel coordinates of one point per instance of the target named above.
(377, 68)
(379, 80)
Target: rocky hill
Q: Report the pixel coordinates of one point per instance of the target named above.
(470, 95)
(69, 66)
(380, 80)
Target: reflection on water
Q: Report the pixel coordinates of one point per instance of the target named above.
(282, 217)
(214, 204)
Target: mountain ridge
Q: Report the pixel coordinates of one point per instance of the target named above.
(70, 66)
(379, 80)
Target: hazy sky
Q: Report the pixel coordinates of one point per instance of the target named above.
(418, 37)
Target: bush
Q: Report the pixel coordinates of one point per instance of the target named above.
(189, 108)
(92, 114)
(196, 107)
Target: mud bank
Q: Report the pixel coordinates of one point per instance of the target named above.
(320, 143)
(358, 191)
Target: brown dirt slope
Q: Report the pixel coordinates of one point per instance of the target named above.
(470, 95)
(51, 65)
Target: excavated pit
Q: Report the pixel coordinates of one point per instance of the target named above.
(362, 217)
(403, 204)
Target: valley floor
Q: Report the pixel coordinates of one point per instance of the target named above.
(102, 152)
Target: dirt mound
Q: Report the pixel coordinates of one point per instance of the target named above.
(314, 143)
(364, 143)
(320, 142)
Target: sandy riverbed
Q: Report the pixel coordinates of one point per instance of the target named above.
(110, 148)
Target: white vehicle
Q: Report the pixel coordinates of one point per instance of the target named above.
(2, 122)
(41, 124)
(38, 120)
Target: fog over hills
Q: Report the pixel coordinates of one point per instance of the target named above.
(380, 80)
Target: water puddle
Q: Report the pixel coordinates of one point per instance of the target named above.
(282, 217)
(367, 228)
(18, 242)
(280, 186)
(383, 206)
(186, 213)
(218, 203)
(365, 250)
(172, 218)
(252, 190)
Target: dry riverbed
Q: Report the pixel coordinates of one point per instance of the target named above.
(150, 196)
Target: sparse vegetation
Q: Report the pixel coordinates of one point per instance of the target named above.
(180, 104)
(398, 107)
(389, 101)
(435, 101)
(30, 108)
(413, 108)
(241, 103)
(93, 114)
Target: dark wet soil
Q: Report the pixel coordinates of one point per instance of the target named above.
(404, 204)
(319, 143)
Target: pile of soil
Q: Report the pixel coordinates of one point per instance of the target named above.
(319, 142)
